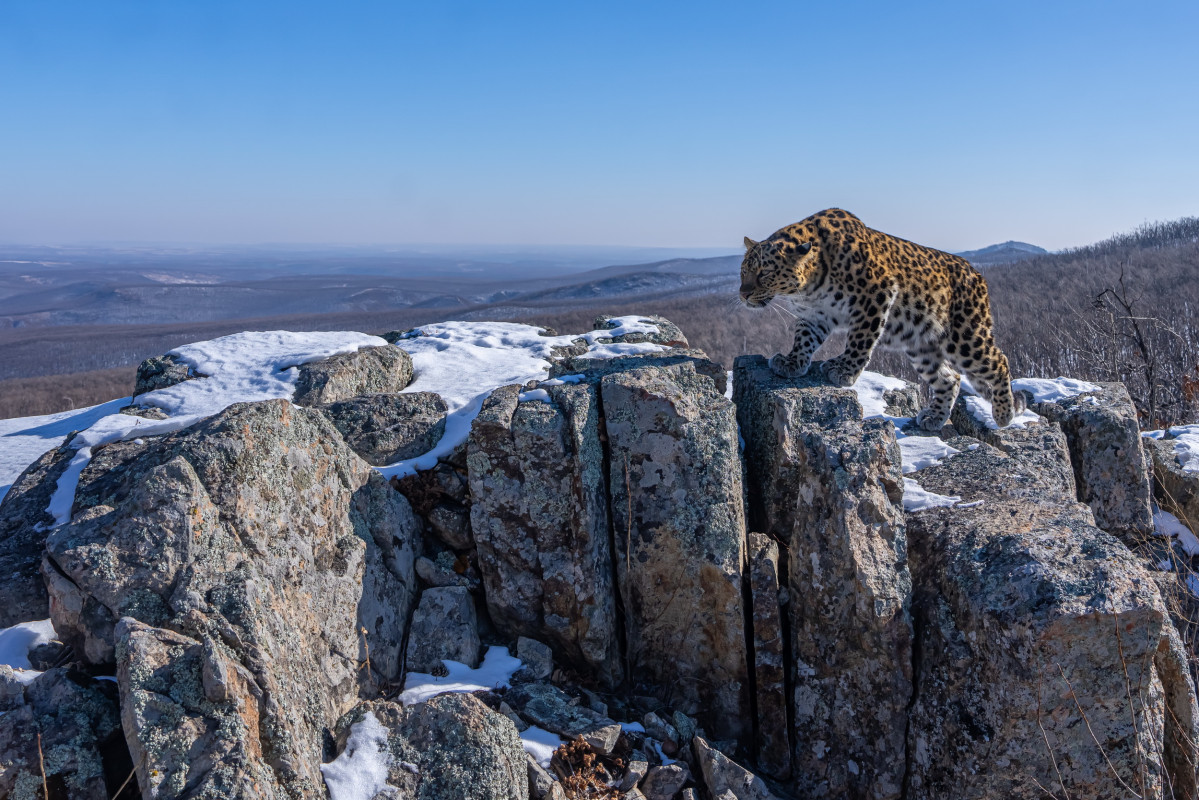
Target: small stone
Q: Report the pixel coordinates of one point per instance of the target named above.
(551, 708)
(685, 725)
(660, 729)
(451, 524)
(508, 712)
(541, 784)
(594, 702)
(436, 574)
(537, 658)
(633, 773)
(663, 783)
(722, 774)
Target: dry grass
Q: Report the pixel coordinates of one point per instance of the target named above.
(26, 397)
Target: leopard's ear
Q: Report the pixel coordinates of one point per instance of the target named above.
(750, 244)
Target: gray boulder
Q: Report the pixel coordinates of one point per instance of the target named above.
(24, 523)
(836, 481)
(451, 747)
(1048, 660)
(722, 774)
(444, 626)
(160, 372)
(770, 666)
(1109, 462)
(386, 428)
(539, 517)
(595, 368)
(370, 370)
(679, 528)
(1175, 489)
(667, 334)
(67, 724)
(257, 528)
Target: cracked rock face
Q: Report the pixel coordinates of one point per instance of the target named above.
(1046, 653)
(256, 535)
(679, 530)
(386, 428)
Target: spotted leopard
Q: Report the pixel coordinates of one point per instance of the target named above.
(839, 275)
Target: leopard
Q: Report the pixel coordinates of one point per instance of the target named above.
(837, 275)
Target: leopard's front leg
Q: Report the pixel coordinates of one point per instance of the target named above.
(865, 327)
(809, 335)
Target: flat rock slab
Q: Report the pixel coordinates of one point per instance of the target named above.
(386, 428)
(679, 528)
(553, 709)
(370, 370)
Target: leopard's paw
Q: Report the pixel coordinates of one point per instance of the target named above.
(838, 373)
(931, 421)
(787, 367)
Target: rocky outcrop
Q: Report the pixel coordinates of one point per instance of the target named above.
(24, 520)
(371, 370)
(160, 372)
(834, 495)
(539, 518)
(65, 728)
(258, 530)
(770, 658)
(679, 530)
(1109, 463)
(1045, 652)
(444, 626)
(1174, 488)
(386, 428)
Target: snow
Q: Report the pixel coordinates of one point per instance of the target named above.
(360, 772)
(1050, 390)
(916, 498)
(870, 387)
(495, 672)
(980, 409)
(534, 395)
(464, 362)
(17, 641)
(1186, 446)
(540, 744)
(243, 367)
(1166, 524)
(922, 451)
(728, 386)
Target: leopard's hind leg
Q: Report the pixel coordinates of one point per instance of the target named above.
(990, 377)
(942, 382)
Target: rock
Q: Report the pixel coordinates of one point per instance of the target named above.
(451, 524)
(661, 730)
(370, 370)
(1036, 632)
(722, 774)
(1175, 489)
(836, 481)
(675, 477)
(24, 523)
(257, 528)
(663, 783)
(633, 794)
(1041, 444)
(451, 747)
(541, 784)
(595, 368)
(160, 372)
(551, 708)
(440, 571)
(386, 428)
(770, 668)
(539, 517)
(1108, 459)
(668, 333)
(634, 771)
(538, 659)
(444, 626)
(688, 794)
(191, 715)
(78, 721)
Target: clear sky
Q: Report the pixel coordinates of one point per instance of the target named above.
(955, 124)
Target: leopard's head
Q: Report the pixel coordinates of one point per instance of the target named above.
(778, 266)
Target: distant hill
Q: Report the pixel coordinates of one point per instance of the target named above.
(1005, 253)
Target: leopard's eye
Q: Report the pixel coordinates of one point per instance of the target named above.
(804, 248)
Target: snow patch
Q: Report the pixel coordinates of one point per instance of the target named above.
(534, 395)
(870, 387)
(980, 409)
(922, 451)
(1186, 446)
(495, 672)
(360, 772)
(1166, 524)
(917, 498)
(17, 641)
(1050, 390)
(540, 744)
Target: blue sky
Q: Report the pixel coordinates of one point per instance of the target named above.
(650, 124)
